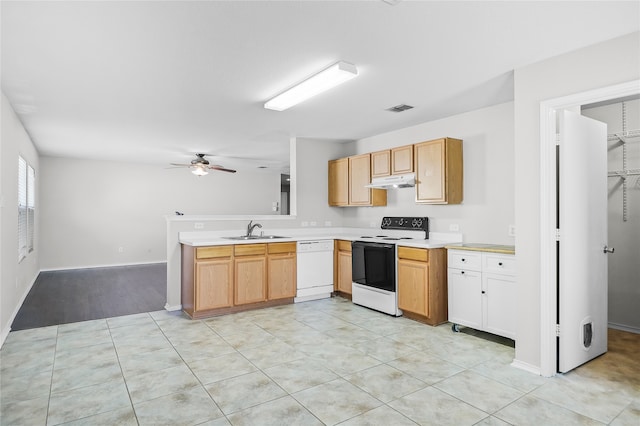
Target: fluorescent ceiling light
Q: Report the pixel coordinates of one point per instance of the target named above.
(336, 74)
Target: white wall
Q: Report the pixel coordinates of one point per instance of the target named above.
(309, 177)
(89, 209)
(601, 65)
(624, 264)
(488, 206)
(16, 278)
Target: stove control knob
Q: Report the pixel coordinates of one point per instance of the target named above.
(417, 223)
(401, 222)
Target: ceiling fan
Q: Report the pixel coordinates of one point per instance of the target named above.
(201, 166)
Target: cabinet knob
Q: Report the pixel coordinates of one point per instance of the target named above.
(464, 260)
(484, 292)
(499, 263)
(462, 272)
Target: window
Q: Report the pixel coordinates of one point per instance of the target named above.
(26, 208)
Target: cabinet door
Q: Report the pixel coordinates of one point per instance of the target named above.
(402, 160)
(344, 272)
(281, 279)
(439, 177)
(339, 182)
(250, 279)
(499, 305)
(214, 284)
(465, 297)
(430, 169)
(413, 286)
(380, 163)
(359, 176)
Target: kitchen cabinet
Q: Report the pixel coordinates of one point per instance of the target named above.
(207, 279)
(250, 265)
(339, 182)
(347, 178)
(482, 291)
(359, 176)
(402, 160)
(439, 171)
(422, 287)
(281, 270)
(343, 277)
(381, 163)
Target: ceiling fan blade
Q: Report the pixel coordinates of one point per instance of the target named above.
(181, 165)
(220, 168)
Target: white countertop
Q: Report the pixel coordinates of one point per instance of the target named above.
(200, 239)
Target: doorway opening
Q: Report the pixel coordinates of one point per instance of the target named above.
(548, 201)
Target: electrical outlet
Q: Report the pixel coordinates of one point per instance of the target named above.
(304, 223)
(120, 249)
(454, 227)
(512, 230)
(313, 223)
(327, 223)
(198, 225)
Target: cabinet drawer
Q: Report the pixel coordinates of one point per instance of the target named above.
(250, 249)
(499, 264)
(274, 248)
(410, 253)
(465, 259)
(213, 252)
(343, 245)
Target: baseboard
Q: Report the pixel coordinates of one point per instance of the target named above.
(69, 268)
(5, 333)
(172, 308)
(624, 327)
(526, 367)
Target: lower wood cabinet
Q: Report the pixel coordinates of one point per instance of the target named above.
(422, 286)
(223, 279)
(250, 273)
(281, 270)
(343, 278)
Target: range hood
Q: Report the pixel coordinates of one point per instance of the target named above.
(394, 181)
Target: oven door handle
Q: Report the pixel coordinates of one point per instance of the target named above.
(374, 289)
(376, 245)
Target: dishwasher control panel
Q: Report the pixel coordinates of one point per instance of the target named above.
(314, 245)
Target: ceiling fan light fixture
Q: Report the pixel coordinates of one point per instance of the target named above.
(199, 171)
(326, 79)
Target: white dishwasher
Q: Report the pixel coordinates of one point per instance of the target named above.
(314, 270)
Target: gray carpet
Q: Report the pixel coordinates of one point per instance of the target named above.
(60, 297)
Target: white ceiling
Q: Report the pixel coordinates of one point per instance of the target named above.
(156, 81)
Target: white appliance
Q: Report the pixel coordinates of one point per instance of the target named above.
(373, 267)
(393, 181)
(314, 270)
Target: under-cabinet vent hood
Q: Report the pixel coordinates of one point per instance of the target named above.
(394, 181)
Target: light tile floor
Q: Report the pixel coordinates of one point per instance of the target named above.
(322, 362)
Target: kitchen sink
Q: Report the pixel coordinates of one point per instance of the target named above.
(255, 237)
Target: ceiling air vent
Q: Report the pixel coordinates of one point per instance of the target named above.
(399, 108)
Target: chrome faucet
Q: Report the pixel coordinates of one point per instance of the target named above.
(250, 227)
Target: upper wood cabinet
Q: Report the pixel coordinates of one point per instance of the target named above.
(381, 163)
(394, 161)
(339, 182)
(402, 160)
(438, 166)
(349, 176)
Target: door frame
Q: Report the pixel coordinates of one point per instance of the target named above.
(548, 262)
